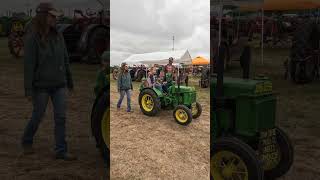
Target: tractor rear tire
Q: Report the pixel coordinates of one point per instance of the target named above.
(228, 150)
(99, 112)
(199, 111)
(302, 43)
(147, 96)
(97, 45)
(183, 115)
(141, 74)
(286, 156)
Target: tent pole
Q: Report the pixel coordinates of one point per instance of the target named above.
(238, 26)
(318, 16)
(220, 19)
(262, 36)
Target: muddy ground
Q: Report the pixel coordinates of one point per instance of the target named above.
(143, 147)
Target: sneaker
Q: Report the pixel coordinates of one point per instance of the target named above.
(66, 157)
(129, 110)
(27, 149)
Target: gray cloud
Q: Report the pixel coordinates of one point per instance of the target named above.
(23, 5)
(143, 26)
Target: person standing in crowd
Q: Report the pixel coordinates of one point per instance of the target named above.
(124, 86)
(46, 75)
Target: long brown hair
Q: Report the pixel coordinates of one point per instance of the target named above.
(40, 26)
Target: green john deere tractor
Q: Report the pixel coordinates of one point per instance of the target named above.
(246, 144)
(182, 99)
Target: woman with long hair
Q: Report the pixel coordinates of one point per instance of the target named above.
(124, 86)
(46, 75)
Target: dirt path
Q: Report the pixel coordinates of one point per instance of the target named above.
(145, 147)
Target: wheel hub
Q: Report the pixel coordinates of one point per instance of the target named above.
(227, 165)
(147, 102)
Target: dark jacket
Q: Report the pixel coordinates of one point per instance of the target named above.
(124, 81)
(46, 66)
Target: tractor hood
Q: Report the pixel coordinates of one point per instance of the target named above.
(184, 89)
(233, 87)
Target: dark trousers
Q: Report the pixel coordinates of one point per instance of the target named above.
(40, 100)
(122, 94)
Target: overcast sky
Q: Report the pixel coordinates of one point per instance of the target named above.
(142, 26)
(22, 5)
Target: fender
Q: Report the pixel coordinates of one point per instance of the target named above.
(84, 40)
(157, 91)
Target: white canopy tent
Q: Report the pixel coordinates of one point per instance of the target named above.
(161, 58)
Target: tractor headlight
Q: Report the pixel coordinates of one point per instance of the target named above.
(264, 87)
(259, 88)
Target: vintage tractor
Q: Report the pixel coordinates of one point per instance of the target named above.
(138, 73)
(182, 99)
(86, 37)
(15, 38)
(246, 143)
(303, 65)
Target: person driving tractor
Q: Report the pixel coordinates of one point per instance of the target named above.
(168, 79)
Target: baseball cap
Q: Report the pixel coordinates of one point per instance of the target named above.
(47, 7)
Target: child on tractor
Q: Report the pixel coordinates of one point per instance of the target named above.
(168, 79)
(152, 80)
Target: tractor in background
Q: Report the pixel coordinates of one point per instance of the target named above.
(17, 30)
(302, 66)
(137, 73)
(87, 37)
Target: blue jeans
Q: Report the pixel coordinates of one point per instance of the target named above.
(40, 100)
(122, 94)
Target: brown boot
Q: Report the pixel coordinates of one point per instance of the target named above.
(27, 149)
(66, 156)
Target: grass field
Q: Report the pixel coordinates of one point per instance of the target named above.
(144, 147)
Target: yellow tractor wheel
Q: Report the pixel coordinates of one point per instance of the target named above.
(100, 125)
(182, 114)
(149, 102)
(196, 110)
(233, 159)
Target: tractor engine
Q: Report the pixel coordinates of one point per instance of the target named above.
(251, 107)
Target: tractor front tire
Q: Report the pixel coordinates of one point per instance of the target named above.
(183, 115)
(233, 159)
(197, 111)
(149, 102)
(286, 156)
(100, 125)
